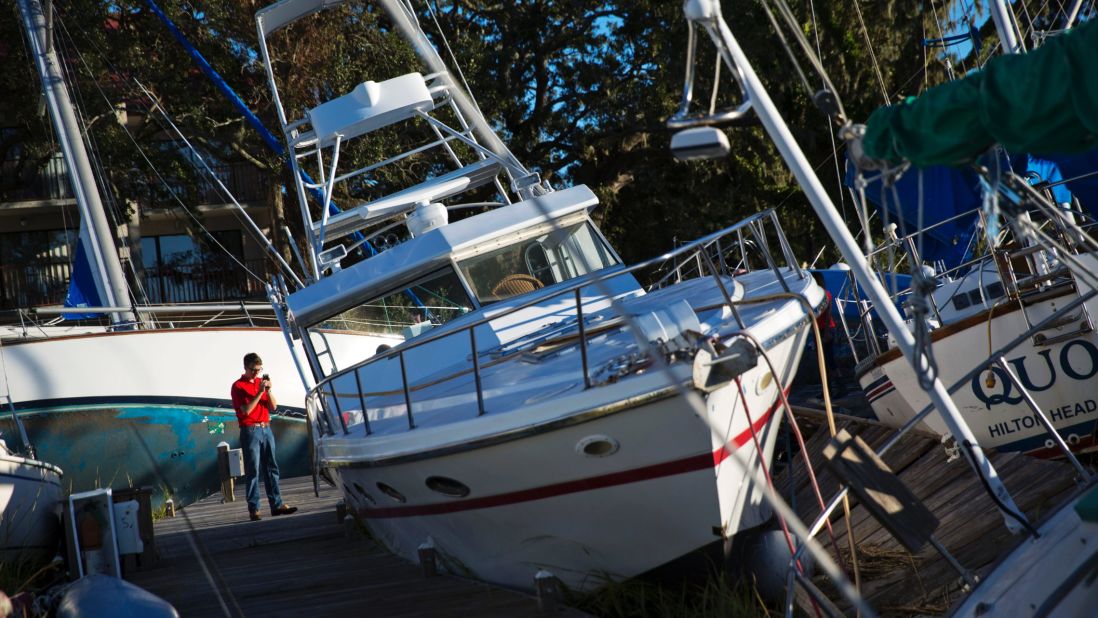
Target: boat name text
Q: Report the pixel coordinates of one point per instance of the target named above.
(1055, 415)
(1077, 360)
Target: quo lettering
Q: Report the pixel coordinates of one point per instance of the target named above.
(1081, 365)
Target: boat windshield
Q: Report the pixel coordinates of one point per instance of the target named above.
(409, 311)
(536, 262)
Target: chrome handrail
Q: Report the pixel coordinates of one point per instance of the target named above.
(698, 249)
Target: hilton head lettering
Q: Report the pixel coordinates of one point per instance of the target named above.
(998, 430)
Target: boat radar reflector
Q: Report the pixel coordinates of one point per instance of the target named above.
(699, 143)
(426, 217)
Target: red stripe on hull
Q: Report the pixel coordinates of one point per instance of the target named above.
(669, 468)
(880, 390)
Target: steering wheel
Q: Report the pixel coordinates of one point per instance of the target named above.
(518, 283)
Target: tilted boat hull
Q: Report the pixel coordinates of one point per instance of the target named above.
(30, 509)
(538, 501)
(1060, 377)
(170, 448)
(148, 408)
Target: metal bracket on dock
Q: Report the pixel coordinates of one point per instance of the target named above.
(548, 589)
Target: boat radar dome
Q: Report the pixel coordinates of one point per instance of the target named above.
(426, 217)
(699, 143)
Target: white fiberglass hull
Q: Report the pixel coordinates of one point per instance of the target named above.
(538, 501)
(1048, 575)
(30, 508)
(1060, 377)
(148, 407)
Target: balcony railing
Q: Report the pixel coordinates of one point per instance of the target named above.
(31, 285)
(49, 183)
(204, 282)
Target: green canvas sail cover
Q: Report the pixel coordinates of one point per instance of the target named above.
(1044, 103)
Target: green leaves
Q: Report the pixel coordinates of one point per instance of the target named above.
(580, 90)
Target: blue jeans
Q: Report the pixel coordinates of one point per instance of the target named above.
(258, 444)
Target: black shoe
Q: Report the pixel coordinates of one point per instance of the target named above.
(254, 515)
(282, 509)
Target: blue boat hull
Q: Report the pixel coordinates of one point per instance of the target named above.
(171, 448)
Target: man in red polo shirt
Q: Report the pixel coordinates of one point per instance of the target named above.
(254, 402)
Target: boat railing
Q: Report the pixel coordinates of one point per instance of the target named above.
(326, 403)
(33, 320)
(863, 340)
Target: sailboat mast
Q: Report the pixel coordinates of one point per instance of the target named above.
(1005, 26)
(825, 209)
(98, 242)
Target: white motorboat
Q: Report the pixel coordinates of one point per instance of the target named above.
(533, 418)
(30, 507)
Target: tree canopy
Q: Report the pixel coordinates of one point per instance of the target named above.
(579, 90)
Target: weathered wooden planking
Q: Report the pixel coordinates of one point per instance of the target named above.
(900, 583)
(303, 564)
(910, 448)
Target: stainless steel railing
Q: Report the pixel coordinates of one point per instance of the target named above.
(750, 238)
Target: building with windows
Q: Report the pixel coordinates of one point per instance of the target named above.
(171, 253)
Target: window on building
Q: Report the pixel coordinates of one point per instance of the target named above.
(35, 267)
(179, 268)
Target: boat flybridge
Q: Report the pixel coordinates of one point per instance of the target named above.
(545, 411)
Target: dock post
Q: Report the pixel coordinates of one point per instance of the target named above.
(548, 590)
(227, 493)
(341, 511)
(428, 559)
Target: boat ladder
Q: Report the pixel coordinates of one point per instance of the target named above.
(1027, 273)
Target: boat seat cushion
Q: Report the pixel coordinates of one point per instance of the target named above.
(370, 106)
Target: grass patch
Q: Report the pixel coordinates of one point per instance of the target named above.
(26, 574)
(719, 595)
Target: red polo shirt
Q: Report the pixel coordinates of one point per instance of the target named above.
(244, 390)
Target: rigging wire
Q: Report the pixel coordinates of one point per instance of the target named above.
(941, 34)
(102, 179)
(159, 107)
(794, 27)
(830, 133)
(449, 51)
(872, 54)
(788, 49)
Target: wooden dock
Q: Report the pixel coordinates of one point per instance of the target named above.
(895, 581)
(302, 564)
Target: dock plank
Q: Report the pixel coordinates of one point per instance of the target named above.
(895, 581)
(303, 564)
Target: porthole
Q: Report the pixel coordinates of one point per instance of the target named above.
(1073, 439)
(597, 446)
(388, 490)
(447, 486)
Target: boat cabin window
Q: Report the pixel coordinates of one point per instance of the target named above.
(408, 311)
(536, 261)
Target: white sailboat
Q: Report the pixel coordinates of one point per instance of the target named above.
(133, 404)
(30, 507)
(1050, 571)
(534, 419)
(975, 313)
